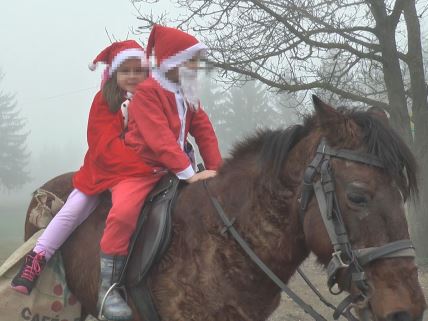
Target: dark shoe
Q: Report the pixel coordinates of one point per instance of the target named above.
(26, 278)
(113, 306)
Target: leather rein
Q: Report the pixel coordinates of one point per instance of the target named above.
(344, 257)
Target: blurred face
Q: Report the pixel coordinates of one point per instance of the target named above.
(189, 81)
(193, 64)
(130, 73)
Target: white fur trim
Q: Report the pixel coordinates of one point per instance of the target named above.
(181, 57)
(126, 54)
(92, 66)
(125, 114)
(186, 173)
(164, 82)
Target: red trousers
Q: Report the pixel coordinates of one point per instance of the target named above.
(127, 200)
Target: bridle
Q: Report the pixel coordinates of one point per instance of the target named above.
(344, 257)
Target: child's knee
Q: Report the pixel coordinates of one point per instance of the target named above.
(125, 213)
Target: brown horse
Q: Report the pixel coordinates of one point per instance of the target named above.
(205, 275)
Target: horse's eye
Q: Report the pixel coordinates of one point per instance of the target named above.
(358, 199)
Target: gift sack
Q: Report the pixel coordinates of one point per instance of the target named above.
(50, 300)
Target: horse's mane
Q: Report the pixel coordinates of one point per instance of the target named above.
(272, 148)
(379, 139)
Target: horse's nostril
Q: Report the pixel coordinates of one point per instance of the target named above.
(399, 316)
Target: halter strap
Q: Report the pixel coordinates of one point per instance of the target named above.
(351, 155)
(344, 257)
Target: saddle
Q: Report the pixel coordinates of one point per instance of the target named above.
(148, 244)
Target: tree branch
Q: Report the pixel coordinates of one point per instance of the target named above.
(309, 41)
(284, 86)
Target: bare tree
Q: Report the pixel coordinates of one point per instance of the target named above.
(284, 43)
(365, 51)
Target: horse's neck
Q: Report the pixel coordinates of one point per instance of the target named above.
(266, 218)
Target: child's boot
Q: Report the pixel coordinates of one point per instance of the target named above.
(113, 306)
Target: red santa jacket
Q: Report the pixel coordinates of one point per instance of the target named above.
(154, 129)
(108, 160)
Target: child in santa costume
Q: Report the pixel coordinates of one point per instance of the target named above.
(164, 109)
(107, 160)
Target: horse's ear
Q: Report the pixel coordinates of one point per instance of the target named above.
(324, 112)
(332, 122)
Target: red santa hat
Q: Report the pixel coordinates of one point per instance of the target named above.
(172, 47)
(115, 54)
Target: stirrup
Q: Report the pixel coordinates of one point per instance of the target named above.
(100, 313)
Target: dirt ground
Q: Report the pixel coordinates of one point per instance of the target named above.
(289, 311)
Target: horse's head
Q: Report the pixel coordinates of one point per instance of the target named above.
(353, 211)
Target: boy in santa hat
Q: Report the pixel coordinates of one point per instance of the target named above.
(164, 110)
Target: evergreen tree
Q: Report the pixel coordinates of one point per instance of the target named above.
(213, 101)
(291, 106)
(240, 111)
(249, 107)
(13, 155)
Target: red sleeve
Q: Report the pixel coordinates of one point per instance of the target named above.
(203, 132)
(149, 115)
(107, 147)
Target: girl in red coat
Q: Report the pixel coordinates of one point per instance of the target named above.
(163, 110)
(107, 160)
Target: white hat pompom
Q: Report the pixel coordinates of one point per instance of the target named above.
(92, 66)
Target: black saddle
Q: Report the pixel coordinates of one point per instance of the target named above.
(149, 243)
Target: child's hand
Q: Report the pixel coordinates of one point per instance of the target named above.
(201, 175)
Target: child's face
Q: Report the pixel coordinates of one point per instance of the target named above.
(130, 73)
(192, 63)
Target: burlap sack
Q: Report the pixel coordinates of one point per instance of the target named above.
(48, 204)
(50, 300)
